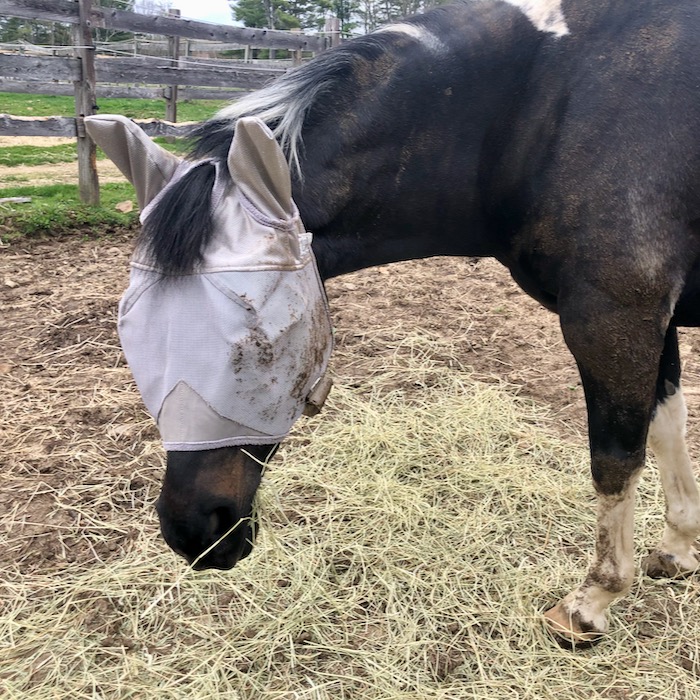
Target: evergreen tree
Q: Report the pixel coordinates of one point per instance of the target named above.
(14, 29)
(280, 14)
(113, 34)
(253, 13)
(311, 14)
(346, 12)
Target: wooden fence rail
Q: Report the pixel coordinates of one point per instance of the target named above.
(109, 18)
(141, 45)
(149, 70)
(66, 126)
(89, 73)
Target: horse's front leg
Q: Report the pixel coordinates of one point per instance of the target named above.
(617, 348)
(676, 554)
(580, 617)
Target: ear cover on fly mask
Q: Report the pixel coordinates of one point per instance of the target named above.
(146, 165)
(259, 167)
(229, 354)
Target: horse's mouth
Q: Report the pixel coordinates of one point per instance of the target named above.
(226, 553)
(222, 553)
(206, 508)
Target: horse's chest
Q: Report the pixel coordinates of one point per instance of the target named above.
(540, 287)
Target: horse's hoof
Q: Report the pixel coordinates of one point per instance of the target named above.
(660, 564)
(569, 630)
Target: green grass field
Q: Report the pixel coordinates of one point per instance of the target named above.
(56, 105)
(65, 153)
(56, 209)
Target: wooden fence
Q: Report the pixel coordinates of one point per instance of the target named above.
(92, 75)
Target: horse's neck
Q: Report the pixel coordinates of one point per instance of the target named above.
(351, 242)
(400, 167)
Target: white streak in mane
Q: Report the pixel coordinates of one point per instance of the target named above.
(421, 34)
(282, 106)
(546, 15)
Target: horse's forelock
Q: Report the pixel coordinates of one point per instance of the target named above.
(180, 225)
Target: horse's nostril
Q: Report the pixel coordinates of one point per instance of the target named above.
(214, 520)
(221, 520)
(230, 540)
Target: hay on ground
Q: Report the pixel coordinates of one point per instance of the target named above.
(410, 538)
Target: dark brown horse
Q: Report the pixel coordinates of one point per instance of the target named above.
(561, 137)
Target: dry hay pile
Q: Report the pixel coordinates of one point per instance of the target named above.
(411, 537)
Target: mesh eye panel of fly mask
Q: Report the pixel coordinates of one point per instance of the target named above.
(229, 354)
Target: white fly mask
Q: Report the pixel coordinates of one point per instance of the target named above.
(233, 353)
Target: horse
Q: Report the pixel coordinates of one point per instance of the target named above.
(560, 137)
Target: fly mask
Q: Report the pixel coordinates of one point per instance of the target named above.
(229, 354)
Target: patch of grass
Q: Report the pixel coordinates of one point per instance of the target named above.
(15, 178)
(37, 155)
(52, 105)
(11, 156)
(178, 146)
(57, 210)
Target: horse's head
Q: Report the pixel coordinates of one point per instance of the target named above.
(229, 345)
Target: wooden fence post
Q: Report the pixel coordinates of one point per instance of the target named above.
(174, 53)
(332, 30)
(85, 104)
(297, 55)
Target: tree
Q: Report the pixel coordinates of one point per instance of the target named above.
(34, 32)
(253, 13)
(281, 14)
(113, 34)
(310, 14)
(345, 11)
(374, 13)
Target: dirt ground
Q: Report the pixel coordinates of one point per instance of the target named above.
(60, 363)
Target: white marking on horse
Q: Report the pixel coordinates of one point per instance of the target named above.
(421, 34)
(667, 440)
(546, 15)
(580, 616)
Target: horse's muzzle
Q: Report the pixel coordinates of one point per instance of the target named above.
(206, 504)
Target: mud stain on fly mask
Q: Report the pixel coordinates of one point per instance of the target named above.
(256, 346)
(314, 354)
(264, 354)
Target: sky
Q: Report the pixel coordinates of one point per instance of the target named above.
(217, 11)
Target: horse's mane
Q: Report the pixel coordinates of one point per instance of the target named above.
(285, 103)
(178, 229)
